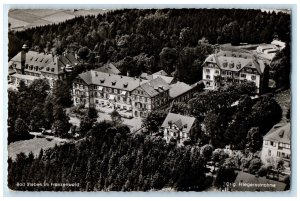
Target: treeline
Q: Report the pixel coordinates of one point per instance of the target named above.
(33, 108)
(112, 160)
(150, 40)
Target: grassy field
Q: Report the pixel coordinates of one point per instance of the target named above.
(34, 145)
(25, 18)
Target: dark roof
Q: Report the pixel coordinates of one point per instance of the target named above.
(248, 182)
(155, 87)
(108, 68)
(46, 63)
(178, 88)
(237, 59)
(179, 121)
(280, 133)
(111, 80)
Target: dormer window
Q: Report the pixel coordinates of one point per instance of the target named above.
(238, 65)
(46, 61)
(225, 64)
(36, 59)
(42, 60)
(48, 68)
(125, 85)
(102, 81)
(281, 134)
(52, 69)
(114, 83)
(233, 55)
(231, 65)
(31, 58)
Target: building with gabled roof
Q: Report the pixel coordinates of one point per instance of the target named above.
(130, 96)
(277, 145)
(42, 65)
(149, 96)
(109, 68)
(227, 67)
(179, 127)
(160, 73)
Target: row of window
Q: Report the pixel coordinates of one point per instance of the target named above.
(101, 88)
(223, 72)
(208, 71)
(82, 93)
(280, 144)
(106, 96)
(36, 68)
(140, 98)
(279, 154)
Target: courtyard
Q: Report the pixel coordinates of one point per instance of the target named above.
(134, 123)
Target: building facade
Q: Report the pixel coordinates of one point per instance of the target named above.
(179, 128)
(227, 67)
(42, 65)
(131, 97)
(277, 145)
(181, 92)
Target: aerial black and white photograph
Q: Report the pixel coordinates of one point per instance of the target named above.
(149, 100)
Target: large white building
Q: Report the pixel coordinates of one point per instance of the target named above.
(30, 65)
(234, 67)
(131, 97)
(277, 145)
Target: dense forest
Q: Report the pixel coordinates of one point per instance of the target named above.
(113, 160)
(33, 107)
(176, 40)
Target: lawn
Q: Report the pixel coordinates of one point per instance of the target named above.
(39, 17)
(34, 145)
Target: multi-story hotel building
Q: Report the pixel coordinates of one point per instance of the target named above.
(234, 67)
(30, 65)
(277, 144)
(131, 97)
